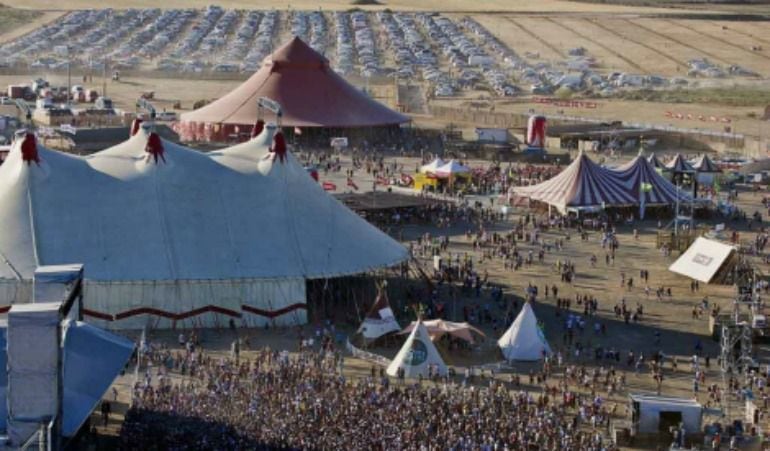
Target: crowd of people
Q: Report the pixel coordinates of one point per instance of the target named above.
(303, 401)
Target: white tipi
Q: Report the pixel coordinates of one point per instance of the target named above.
(417, 355)
(380, 319)
(524, 340)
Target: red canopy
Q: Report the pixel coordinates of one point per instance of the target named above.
(311, 94)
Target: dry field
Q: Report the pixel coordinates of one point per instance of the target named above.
(636, 44)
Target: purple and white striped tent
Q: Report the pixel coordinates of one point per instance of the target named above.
(659, 190)
(655, 162)
(679, 165)
(583, 185)
(703, 164)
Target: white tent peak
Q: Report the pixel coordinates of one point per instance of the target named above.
(524, 340)
(431, 167)
(417, 355)
(452, 167)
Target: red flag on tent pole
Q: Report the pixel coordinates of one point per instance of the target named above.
(352, 184)
(329, 186)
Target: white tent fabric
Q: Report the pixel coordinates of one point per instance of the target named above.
(417, 355)
(702, 260)
(524, 340)
(431, 167)
(703, 164)
(184, 235)
(380, 320)
(452, 168)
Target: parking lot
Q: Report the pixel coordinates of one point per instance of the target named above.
(449, 55)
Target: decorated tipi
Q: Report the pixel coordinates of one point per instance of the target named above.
(417, 355)
(380, 320)
(524, 340)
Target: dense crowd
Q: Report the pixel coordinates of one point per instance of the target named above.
(302, 401)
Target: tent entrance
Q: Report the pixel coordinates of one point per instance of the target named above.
(667, 420)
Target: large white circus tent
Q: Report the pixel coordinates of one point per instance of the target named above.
(417, 355)
(174, 233)
(524, 340)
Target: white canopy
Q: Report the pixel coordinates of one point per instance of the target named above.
(452, 168)
(417, 354)
(431, 167)
(702, 260)
(237, 225)
(524, 340)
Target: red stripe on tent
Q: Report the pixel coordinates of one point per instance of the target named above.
(99, 315)
(273, 313)
(176, 316)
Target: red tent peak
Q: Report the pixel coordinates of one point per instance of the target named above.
(29, 149)
(296, 53)
(135, 126)
(154, 147)
(258, 127)
(279, 146)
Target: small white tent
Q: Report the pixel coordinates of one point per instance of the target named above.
(417, 355)
(431, 167)
(524, 340)
(380, 319)
(452, 169)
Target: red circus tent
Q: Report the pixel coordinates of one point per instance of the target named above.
(311, 94)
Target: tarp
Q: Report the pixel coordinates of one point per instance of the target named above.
(193, 230)
(524, 340)
(702, 260)
(416, 355)
(437, 328)
(92, 360)
(310, 93)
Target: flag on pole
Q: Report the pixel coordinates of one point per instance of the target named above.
(352, 184)
(643, 188)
